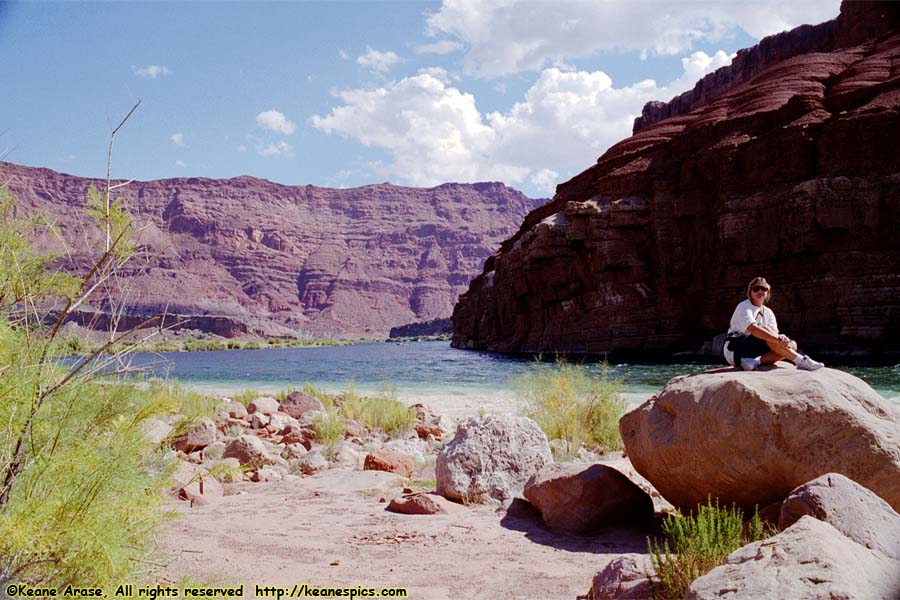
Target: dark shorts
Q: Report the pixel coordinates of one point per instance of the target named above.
(749, 347)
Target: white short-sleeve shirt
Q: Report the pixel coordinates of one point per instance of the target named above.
(746, 313)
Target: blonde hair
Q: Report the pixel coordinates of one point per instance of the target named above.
(759, 281)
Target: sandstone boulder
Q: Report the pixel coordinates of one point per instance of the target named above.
(155, 430)
(424, 504)
(263, 404)
(584, 498)
(752, 437)
(427, 424)
(620, 463)
(196, 437)
(852, 509)
(809, 560)
(194, 484)
(234, 409)
(624, 578)
(250, 451)
(389, 461)
(312, 462)
(259, 420)
(298, 403)
(491, 458)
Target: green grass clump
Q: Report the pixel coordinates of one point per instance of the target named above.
(382, 411)
(329, 427)
(571, 405)
(696, 544)
(246, 396)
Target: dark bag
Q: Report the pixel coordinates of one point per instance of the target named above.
(733, 339)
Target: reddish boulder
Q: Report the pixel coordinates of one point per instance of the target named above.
(424, 504)
(298, 403)
(584, 498)
(197, 437)
(392, 462)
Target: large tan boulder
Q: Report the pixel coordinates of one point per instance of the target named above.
(490, 459)
(584, 498)
(809, 560)
(752, 437)
(852, 509)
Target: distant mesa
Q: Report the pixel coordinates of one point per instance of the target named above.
(247, 256)
(433, 328)
(784, 164)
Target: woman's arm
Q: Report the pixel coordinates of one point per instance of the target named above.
(766, 334)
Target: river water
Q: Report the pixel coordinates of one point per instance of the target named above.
(456, 381)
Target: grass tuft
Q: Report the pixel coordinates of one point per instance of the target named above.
(572, 405)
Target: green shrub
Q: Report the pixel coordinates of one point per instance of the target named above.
(87, 491)
(80, 483)
(382, 411)
(695, 545)
(329, 427)
(571, 405)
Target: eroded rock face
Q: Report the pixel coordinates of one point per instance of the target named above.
(784, 165)
(245, 254)
(752, 437)
(584, 498)
(490, 459)
(810, 559)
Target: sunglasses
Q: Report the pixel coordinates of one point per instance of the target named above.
(760, 288)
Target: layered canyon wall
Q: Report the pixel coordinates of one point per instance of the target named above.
(246, 255)
(785, 165)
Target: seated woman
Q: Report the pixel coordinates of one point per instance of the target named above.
(761, 343)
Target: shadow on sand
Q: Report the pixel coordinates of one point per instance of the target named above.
(522, 516)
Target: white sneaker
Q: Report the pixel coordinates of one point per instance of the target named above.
(749, 364)
(805, 363)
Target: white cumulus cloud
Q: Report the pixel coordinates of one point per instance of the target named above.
(509, 36)
(439, 47)
(151, 71)
(273, 149)
(274, 120)
(378, 62)
(435, 132)
(180, 164)
(545, 180)
(177, 138)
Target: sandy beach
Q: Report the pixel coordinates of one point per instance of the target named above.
(332, 529)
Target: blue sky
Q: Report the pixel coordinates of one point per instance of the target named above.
(342, 94)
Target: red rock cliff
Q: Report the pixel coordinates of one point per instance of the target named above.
(246, 254)
(787, 165)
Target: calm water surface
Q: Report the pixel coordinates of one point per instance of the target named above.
(417, 369)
